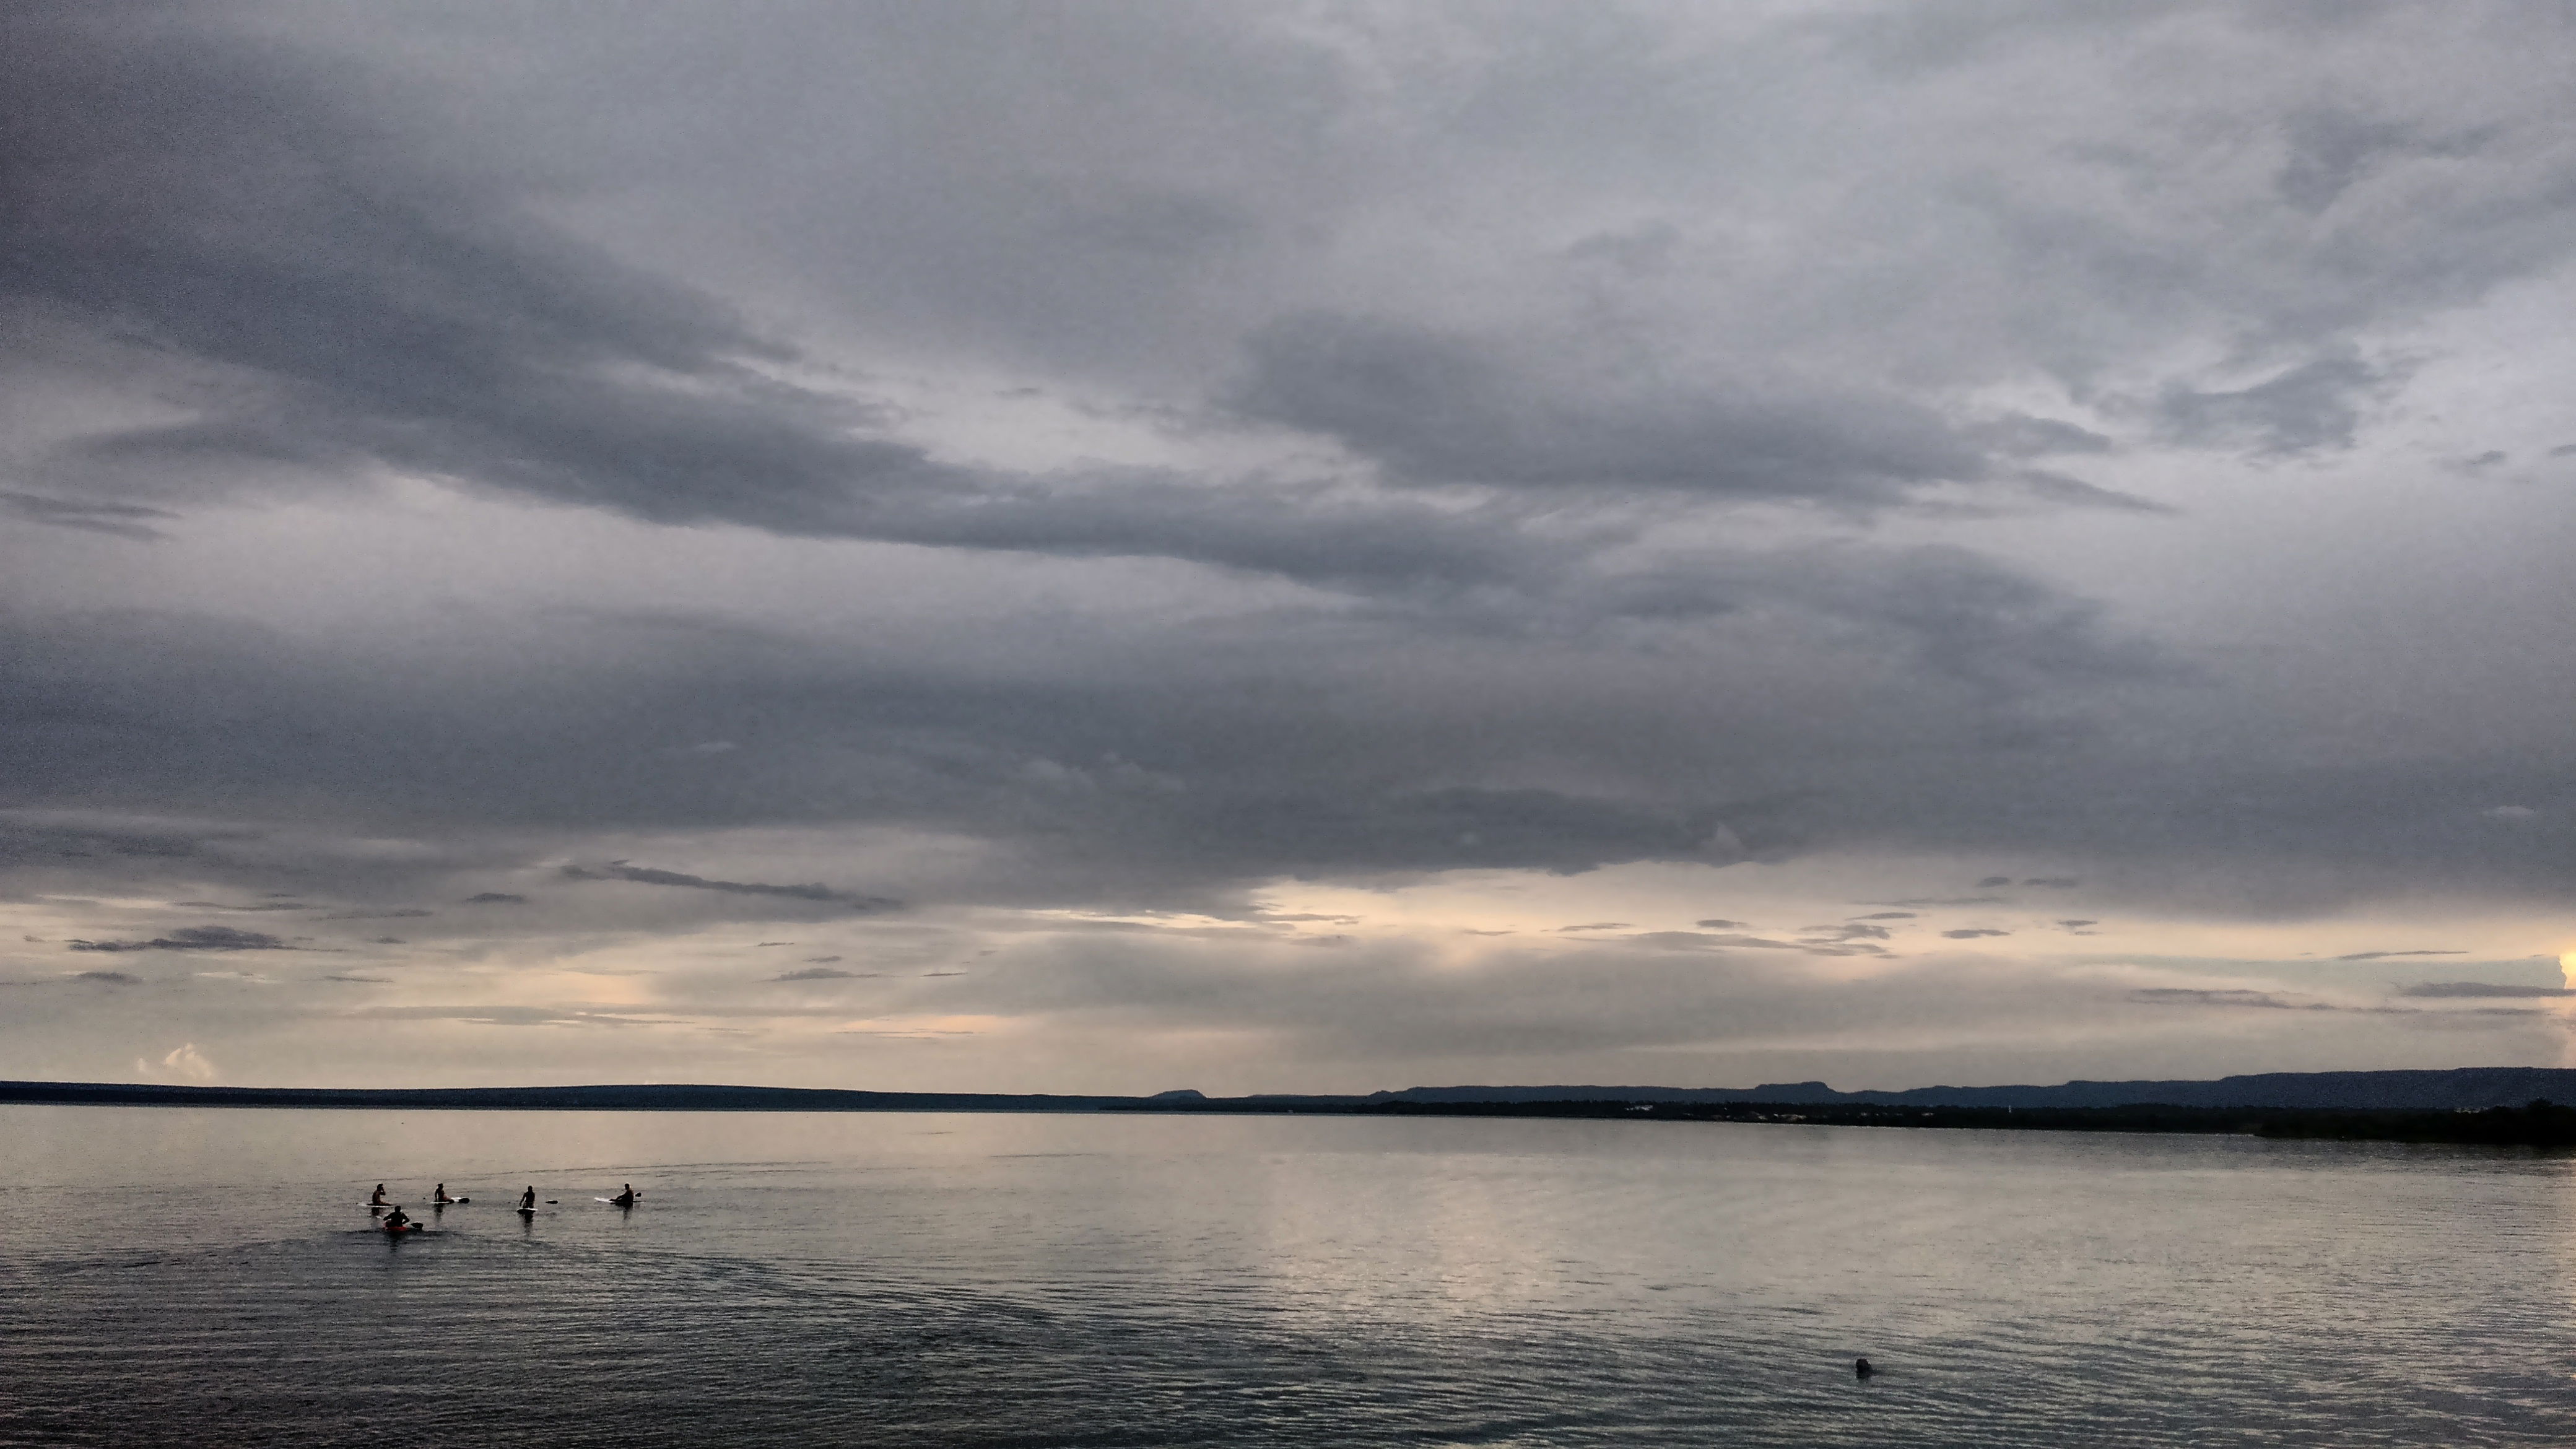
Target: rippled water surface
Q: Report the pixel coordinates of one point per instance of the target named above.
(207, 1277)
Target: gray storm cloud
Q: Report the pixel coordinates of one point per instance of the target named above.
(1323, 446)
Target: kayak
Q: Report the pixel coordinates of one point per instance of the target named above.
(404, 1230)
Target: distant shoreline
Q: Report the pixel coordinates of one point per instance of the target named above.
(2536, 1123)
(609, 1098)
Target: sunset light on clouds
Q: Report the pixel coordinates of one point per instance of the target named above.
(1287, 548)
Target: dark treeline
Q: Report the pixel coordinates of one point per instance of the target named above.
(2390, 1091)
(2539, 1124)
(650, 1097)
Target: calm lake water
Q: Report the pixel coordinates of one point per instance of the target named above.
(205, 1277)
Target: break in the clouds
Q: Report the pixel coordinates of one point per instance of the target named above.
(1297, 547)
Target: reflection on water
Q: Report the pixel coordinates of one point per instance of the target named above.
(1027, 1280)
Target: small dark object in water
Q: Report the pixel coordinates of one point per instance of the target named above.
(1861, 1368)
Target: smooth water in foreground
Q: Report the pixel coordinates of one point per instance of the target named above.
(205, 1276)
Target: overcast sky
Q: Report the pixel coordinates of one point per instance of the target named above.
(1274, 547)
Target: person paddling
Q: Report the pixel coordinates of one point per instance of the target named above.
(626, 1198)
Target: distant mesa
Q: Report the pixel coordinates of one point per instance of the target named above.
(1179, 1094)
(2471, 1088)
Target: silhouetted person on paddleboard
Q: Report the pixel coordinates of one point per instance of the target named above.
(528, 1201)
(626, 1198)
(377, 1198)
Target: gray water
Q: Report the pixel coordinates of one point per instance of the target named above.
(206, 1277)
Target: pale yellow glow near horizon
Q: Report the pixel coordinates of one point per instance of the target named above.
(921, 1026)
(1786, 900)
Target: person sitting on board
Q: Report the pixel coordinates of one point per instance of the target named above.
(626, 1198)
(397, 1220)
(528, 1200)
(439, 1195)
(377, 1198)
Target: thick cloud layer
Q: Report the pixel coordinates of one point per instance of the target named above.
(508, 502)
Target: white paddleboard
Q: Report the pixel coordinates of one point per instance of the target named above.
(612, 1202)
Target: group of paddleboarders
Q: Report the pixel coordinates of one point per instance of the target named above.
(397, 1221)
